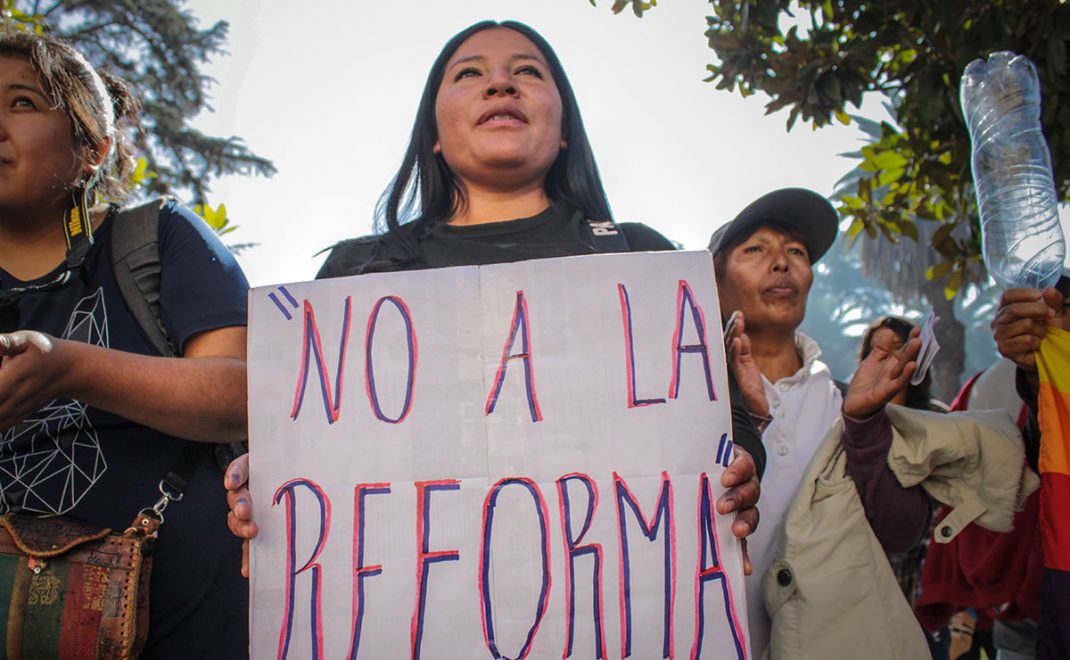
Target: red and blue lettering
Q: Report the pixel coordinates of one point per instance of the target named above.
(286, 491)
(360, 571)
(310, 344)
(424, 556)
(486, 607)
(684, 297)
(369, 369)
(712, 572)
(649, 528)
(629, 350)
(573, 549)
(518, 327)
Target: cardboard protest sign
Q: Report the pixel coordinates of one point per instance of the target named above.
(505, 461)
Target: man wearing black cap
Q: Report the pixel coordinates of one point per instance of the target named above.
(763, 260)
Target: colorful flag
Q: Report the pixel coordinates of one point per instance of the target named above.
(1053, 400)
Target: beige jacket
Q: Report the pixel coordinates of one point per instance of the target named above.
(830, 591)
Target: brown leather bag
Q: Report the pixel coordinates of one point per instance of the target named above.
(74, 590)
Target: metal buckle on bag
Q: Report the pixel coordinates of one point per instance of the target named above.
(166, 497)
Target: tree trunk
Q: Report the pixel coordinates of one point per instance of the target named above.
(951, 335)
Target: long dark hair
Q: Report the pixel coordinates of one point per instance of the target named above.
(918, 396)
(425, 190)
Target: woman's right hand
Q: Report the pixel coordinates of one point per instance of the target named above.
(33, 365)
(240, 519)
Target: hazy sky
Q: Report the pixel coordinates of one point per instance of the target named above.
(328, 90)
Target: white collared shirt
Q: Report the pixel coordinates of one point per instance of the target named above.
(804, 406)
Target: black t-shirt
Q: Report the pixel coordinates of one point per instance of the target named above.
(71, 459)
(559, 231)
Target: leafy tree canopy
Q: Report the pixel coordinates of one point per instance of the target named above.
(158, 48)
(814, 58)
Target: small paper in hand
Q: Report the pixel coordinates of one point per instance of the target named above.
(929, 348)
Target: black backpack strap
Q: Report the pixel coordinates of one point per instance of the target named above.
(135, 260)
(173, 486)
(177, 480)
(135, 252)
(606, 236)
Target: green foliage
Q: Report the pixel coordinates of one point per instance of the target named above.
(914, 52)
(897, 264)
(141, 175)
(217, 219)
(888, 197)
(156, 46)
(10, 14)
(814, 58)
(637, 7)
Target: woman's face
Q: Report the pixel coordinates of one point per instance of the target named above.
(38, 159)
(498, 112)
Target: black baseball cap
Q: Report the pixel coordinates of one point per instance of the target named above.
(805, 211)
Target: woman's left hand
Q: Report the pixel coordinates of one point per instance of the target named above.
(31, 367)
(240, 518)
(882, 375)
(743, 489)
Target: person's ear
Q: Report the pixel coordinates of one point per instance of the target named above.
(564, 145)
(93, 162)
(437, 149)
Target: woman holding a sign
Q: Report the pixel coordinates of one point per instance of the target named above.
(499, 169)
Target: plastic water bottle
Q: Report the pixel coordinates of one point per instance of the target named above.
(1021, 238)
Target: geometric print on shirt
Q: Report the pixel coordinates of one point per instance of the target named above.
(60, 457)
